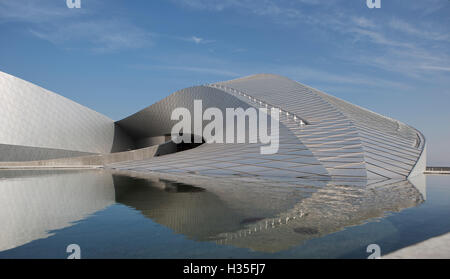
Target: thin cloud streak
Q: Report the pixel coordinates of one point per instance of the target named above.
(36, 11)
(400, 47)
(193, 69)
(103, 36)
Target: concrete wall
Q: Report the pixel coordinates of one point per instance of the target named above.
(150, 141)
(94, 160)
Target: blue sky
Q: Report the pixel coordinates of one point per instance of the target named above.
(118, 56)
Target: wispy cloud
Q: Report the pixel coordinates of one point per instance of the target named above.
(197, 40)
(428, 7)
(401, 47)
(101, 35)
(436, 68)
(387, 42)
(409, 48)
(428, 34)
(214, 71)
(378, 37)
(219, 71)
(52, 21)
(318, 76)
(36, 11)
(273, 8)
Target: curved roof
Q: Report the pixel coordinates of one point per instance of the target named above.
(322, 138)
(341, 141)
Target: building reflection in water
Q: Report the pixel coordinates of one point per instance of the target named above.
(243, 212)
(35, 202)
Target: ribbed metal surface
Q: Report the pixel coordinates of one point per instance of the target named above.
(322, 138)
(341, 142)
(293, 159)
(346, 139)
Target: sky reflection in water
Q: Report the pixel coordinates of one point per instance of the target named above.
(113, 215)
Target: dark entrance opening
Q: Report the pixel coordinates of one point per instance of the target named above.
(170, 147)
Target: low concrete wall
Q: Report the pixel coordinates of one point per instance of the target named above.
(97, 160)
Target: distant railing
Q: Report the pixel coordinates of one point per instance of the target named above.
(443, 170)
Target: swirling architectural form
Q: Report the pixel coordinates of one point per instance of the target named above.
(322, 138)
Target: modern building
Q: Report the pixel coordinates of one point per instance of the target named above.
(37, 124)
(321, 137)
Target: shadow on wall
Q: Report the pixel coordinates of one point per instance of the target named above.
(170, 147)
(121, 142)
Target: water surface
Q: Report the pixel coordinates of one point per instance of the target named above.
(112, 215)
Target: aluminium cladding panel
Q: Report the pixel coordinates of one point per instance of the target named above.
(387, 147)
(391, 148)
(329, 134)
(421, 164)
(31, 116)
(155, 120)
(218, 159)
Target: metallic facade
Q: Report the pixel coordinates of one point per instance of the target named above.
(37, 124)
(322, 138)
(340, 142)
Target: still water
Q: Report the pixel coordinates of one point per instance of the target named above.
(112, 215)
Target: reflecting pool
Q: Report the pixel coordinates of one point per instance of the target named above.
(118, 215)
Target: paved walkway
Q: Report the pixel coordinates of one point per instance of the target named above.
(433, 248)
